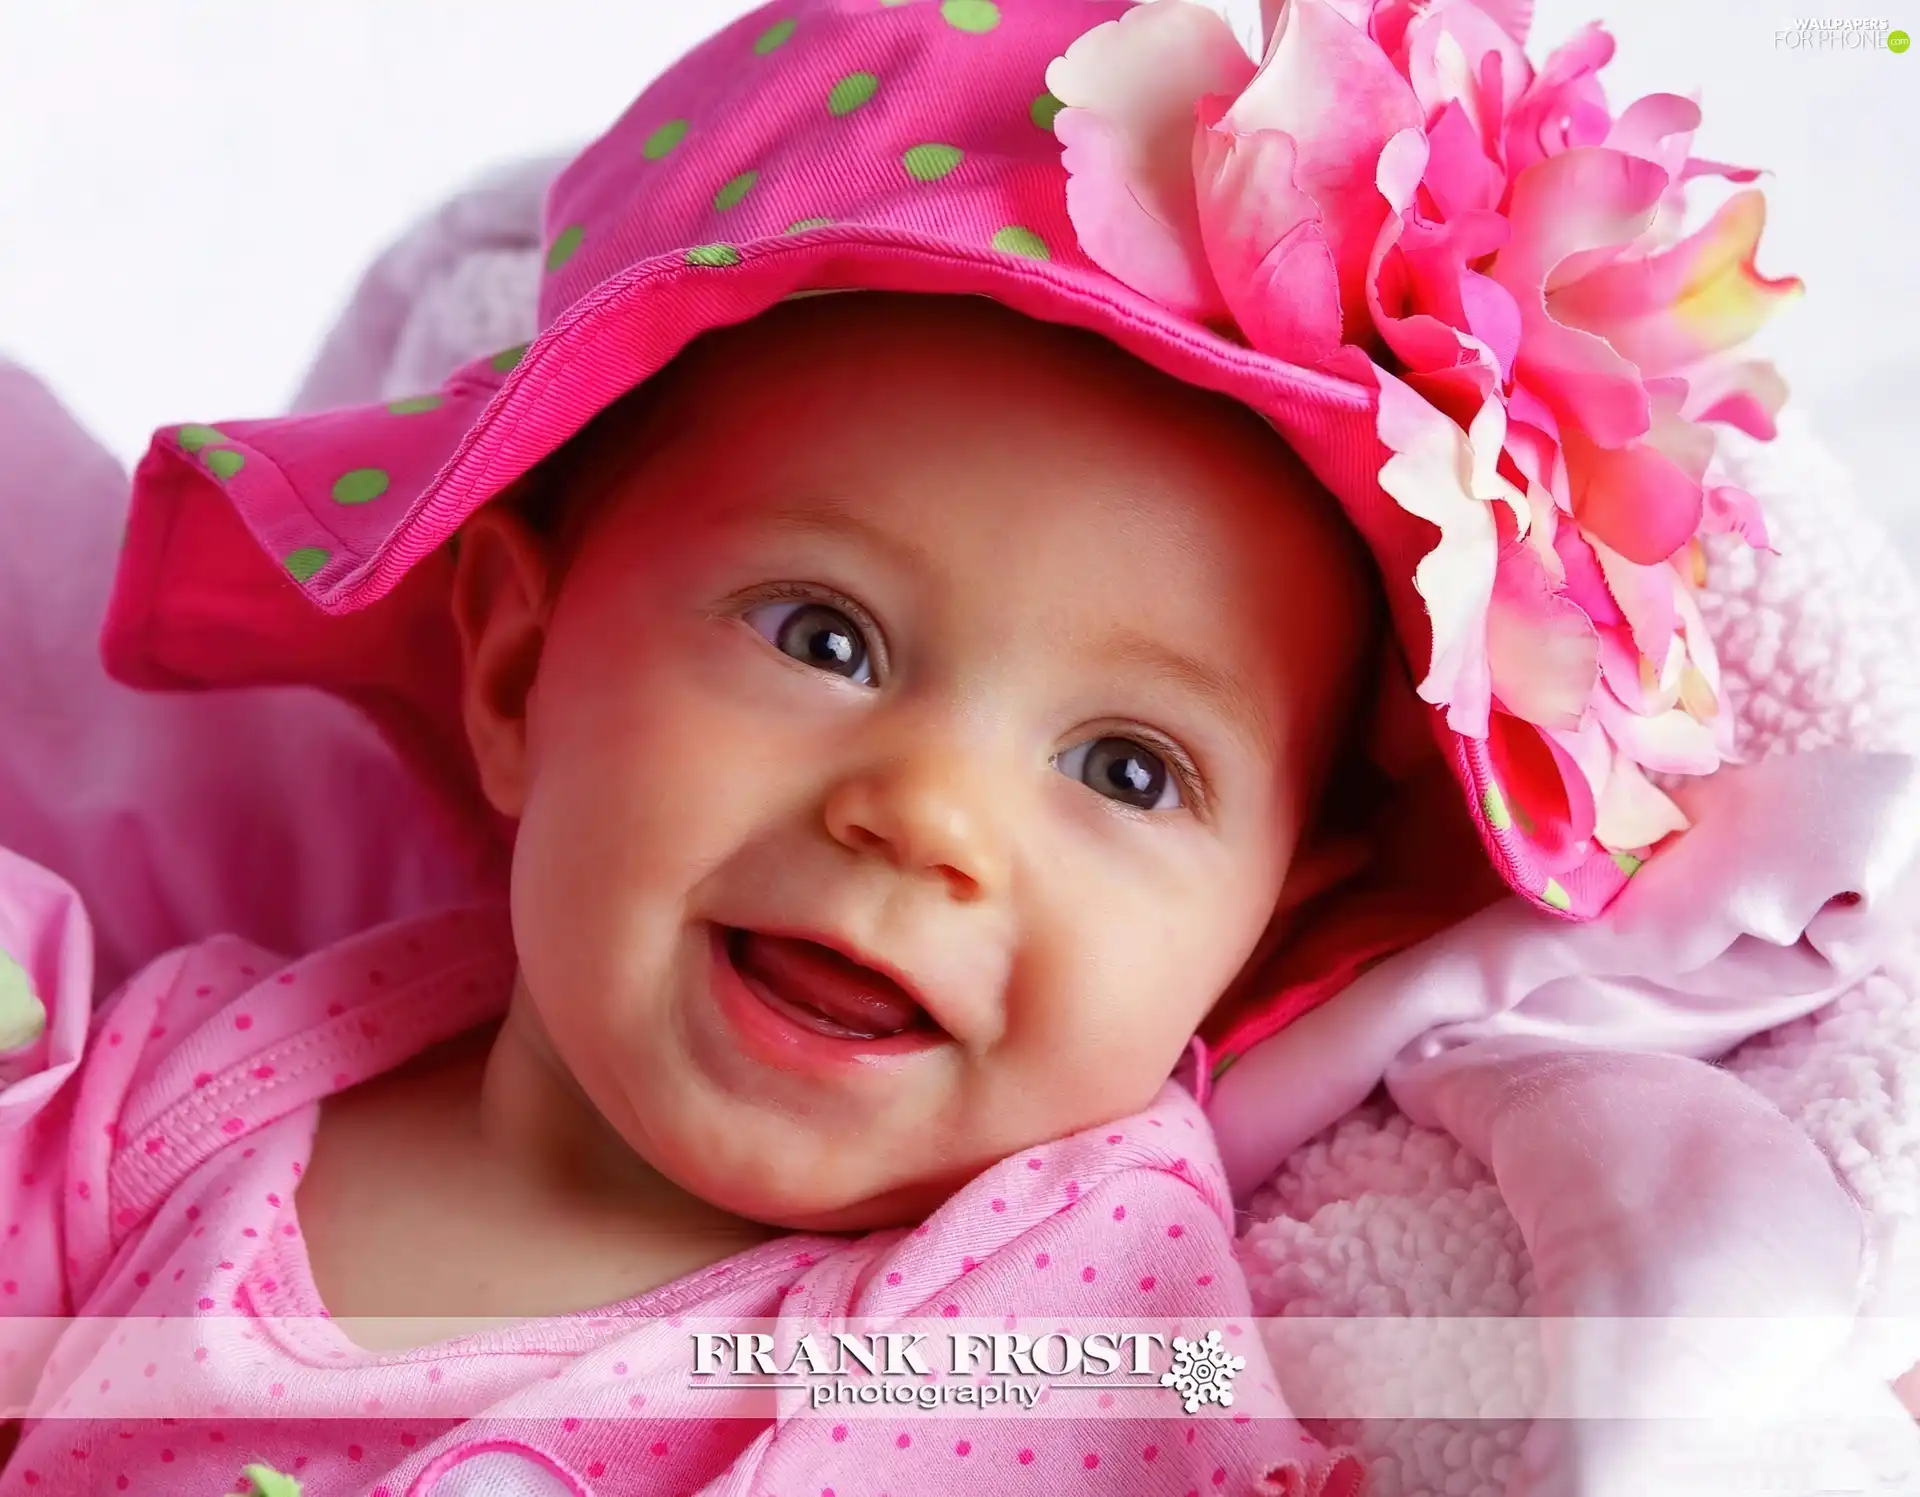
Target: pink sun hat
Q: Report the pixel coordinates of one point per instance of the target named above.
(815, 145)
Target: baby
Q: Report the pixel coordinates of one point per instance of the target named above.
(918, 711)
(858, 851)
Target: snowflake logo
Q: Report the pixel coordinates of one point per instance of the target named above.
(1202, 1371)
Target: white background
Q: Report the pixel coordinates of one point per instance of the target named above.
(190, 188)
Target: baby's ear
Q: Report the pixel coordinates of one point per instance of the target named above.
(501, 602)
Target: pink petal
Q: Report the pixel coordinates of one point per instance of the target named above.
(1403, 164)
(1733, 511)
(1542, 651)
(1455, 579)
(1746, 394)
(1628, 674)
(1634, 499)
(1544, 787)
(1578, 201)
(1687, 444)
(1696, 167)
(1492, 317)
(1589, 750)
(1332, 89)
(1586, 385)
(1633, 813)
(1514, 16)
(1670, 742)
(1448, 45)
(1130, 88)
(1150, 242)
(1264, 243)
(1586, 584)
(1668, 310)
(1582, 199)
(1657, 128)
(1702, 657)
(1460, 176)
(1563, 106)
(1533, 442)
(1415, 291)
(1645, 596)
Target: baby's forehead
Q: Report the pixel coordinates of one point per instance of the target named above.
(870, 387)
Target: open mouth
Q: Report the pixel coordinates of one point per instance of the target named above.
(822, 990)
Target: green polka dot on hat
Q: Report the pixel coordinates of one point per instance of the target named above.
(931, 161)
(851, 92)
(193, 437)
(971, 15)
(361, 486)
(1017, 239)
(734, 191)
(774, 37)
(664, 139)
(303, 563)
(564, 246)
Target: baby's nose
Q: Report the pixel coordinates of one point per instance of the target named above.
(929, 810)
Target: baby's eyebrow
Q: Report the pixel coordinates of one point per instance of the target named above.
(833, 519)
(1226, 691)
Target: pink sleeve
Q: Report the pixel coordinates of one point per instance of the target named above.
(46, 976)
(1125, 1228)
(63, 1096)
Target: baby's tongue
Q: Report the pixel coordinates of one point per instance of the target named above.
(823, 989)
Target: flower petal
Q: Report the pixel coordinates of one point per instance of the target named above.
(1448, 44)
(1150, 242)
(1670, 742)
(1460, 176)
(1544, 787)
(1514, 16)
(1326, 84)
(1574, 202)
(1634, 499)
(1493, 317)
(1633, 813)
(1428, 476)
(1542, 651)
(1701, 297)
(1657, 128)
(1563, 107)
(1129, 89)
(1646, 598)
(1745, 393)
(1264, 243)
(1733, 511)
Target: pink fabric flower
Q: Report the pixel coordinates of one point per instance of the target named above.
(1395, 193)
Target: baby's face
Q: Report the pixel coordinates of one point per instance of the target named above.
(917, 748)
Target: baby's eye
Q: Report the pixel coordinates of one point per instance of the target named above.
(816, 634)
(1123, 770)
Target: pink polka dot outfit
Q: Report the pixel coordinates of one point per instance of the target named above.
(152, 1155)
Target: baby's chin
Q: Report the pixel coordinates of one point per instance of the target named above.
(801, 1183)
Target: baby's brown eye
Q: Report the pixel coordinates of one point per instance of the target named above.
(816, 634)
(1122, 770)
